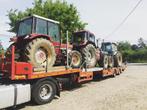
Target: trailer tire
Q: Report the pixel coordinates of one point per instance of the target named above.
(40, 52)
(118, 60)
(89, 53)
(75, 59)
(43, 92)
(103, 62)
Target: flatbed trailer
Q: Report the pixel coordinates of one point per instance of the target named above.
(20, 82)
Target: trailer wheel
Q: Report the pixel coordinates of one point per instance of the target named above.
(43, 92)
(114, 75)
(103, 62)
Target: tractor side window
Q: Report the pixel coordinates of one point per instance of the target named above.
(78, 37)
(41, 26)
(91, 38)
(25, 27)
(53, 31)
(114, 47)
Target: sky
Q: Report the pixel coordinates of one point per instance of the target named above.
(102, 16)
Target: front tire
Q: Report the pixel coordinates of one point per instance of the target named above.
(118, 60)
(75, 59)
(110, 61)
(103, 62)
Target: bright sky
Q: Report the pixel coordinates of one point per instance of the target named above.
(102, 16)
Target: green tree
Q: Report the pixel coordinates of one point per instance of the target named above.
(1, 48)
(124, 46)
(133, 53)
(61, 11)
(141, 43)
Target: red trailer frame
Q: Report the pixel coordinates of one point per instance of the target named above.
(25, 71)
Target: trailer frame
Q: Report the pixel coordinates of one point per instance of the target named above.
(13, 72)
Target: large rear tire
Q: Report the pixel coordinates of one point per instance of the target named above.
(89, 53)
(40, 52)
(118, 60)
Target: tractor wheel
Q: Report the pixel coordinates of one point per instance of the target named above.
(17, 52)
(103, 62)
(8, 51)
(40, 52)
(75, 59)
(110, 61)
(118, 60)
(89, 53)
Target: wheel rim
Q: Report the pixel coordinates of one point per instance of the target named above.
(75, 60)
(89, 55)
(45, 92)
(42, 56)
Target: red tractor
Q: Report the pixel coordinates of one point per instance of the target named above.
(38, 41)
(86, 50)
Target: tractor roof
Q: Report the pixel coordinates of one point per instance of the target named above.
(109, 43)
(40, 17)
(83, 31)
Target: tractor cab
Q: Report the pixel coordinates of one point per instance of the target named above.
(30, 26)
(109, 47)
(82, 38)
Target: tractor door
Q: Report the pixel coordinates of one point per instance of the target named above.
(53, 31)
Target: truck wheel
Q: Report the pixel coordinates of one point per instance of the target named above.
(118, 60)
(90, 56)
(75, 59)
(103, 61)
(110, 61)
(43, 92)
(40, 52)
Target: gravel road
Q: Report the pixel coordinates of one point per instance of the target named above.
(127, 91)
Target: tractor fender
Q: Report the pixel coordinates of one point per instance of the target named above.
(34, 36)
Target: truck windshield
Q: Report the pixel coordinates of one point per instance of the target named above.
(25, 27)
(78, 37)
